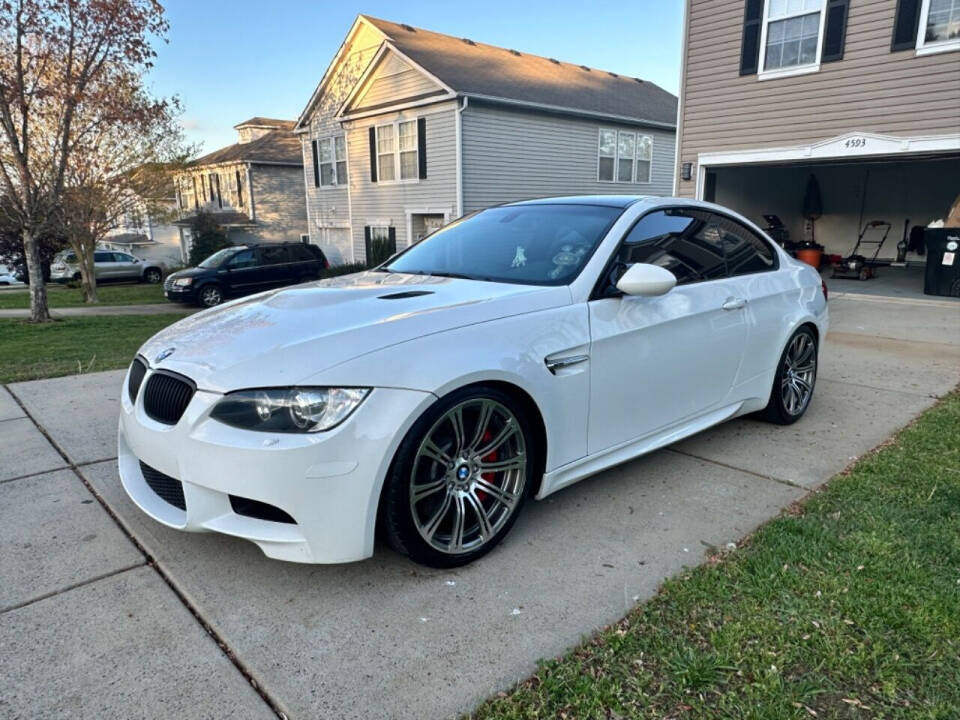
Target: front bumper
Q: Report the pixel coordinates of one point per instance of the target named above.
(179, 294)
(328, 482)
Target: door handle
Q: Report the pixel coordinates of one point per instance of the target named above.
(734, 303)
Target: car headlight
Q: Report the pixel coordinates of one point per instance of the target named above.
(183, 282)
(291, 410)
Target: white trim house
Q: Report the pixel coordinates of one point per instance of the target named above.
(436, 126)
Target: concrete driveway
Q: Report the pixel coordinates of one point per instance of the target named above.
(105, 612)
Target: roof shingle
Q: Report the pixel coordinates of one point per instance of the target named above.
(478, 69)
(280, 147)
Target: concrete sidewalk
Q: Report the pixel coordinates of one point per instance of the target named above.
(114, 607)
(88, 310)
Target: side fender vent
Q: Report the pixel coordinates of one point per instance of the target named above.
(405, 295)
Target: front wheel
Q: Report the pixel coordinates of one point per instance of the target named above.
(460, 478)
(795, 379)
(210, 295)
(153, 275)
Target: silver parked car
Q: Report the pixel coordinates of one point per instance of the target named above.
(107, 265)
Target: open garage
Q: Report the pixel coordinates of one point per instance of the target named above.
(859, 178)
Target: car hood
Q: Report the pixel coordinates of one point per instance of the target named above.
(283, 337)
(190, 272)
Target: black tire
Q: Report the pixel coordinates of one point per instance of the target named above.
(152, 275)
(397, 508)
(778, 410)
(210, 295)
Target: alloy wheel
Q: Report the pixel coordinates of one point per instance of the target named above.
(153, 276)
(798, 374)
(211, 296)
(468, 476)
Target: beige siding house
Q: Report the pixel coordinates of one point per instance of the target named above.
(253, 188)
(863, 95)
(409, 129)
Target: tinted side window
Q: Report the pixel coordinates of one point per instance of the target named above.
(686, 243)
(274, 255)
(301, 253)
(102, 257)
(746, 253)
(243, 259)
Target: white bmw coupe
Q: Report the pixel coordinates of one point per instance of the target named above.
(509, 354)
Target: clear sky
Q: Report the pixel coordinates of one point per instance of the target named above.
(229, 60)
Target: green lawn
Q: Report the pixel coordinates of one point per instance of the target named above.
(72, 345)
(108, 294)
(847, 606)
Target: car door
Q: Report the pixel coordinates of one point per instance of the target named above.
(127, 267)
(303, 264)
(241, 273)
(104, 266)
(658, 361)
(752, 266)
(277, 268)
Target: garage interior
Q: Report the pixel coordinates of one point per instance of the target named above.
(904, 191)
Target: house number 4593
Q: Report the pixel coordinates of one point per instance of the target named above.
(855, 143)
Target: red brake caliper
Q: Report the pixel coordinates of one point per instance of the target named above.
(491, 457)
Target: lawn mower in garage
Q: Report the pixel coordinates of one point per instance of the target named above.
(856, 266)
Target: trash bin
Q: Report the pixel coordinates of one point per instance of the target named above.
(943, 262)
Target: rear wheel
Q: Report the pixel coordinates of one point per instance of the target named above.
(460, 478)
(210, 295)
(153, 275)
(795, 379)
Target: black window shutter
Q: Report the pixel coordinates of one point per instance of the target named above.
(750, 43)
(835, 33)
(316, 163)
(392, 237)
(219, 196)
(422, 147)
(905, 25)
(373, 154)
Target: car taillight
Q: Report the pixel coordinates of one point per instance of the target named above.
(823, 284)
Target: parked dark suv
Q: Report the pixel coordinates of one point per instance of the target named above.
(245, 269)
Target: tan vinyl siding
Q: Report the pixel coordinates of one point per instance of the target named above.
(510, 155)
(871, 90)
(389, 202)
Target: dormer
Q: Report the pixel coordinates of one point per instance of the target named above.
(256, 127)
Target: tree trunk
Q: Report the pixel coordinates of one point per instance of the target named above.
(88, 276)
(39, 312)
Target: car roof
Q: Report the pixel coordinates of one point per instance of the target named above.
(619, 201)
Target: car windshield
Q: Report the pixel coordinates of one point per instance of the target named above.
(537, 244)
(218, 257)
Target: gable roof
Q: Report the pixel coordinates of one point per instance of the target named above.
(276, 147)
(493, 73)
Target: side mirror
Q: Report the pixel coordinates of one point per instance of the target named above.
(646, 280)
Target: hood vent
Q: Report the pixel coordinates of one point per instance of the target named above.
(405, 295)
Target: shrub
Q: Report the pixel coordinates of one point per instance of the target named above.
(206, 238)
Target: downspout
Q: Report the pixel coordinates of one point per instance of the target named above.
(459, 141)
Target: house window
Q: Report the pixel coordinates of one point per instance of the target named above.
(792, 30)
(239, 189)
(939, 26)
(624, 156)
(333, 161)
(397, 155)
(644, 158)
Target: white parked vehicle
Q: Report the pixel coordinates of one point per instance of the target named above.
(107, 265)
(7, 277)
(507, 355)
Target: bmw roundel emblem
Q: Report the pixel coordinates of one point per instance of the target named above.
(164, 355)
